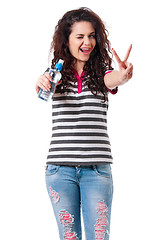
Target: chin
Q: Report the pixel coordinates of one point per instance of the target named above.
(85, 59)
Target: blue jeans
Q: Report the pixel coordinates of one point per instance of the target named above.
(72, 188)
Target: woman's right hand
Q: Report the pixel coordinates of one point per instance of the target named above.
(43, 82)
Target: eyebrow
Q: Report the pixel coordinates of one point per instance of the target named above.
(79, 34)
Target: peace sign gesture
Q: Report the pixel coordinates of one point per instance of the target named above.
(125, 68)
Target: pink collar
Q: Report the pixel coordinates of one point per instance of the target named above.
(79, 80)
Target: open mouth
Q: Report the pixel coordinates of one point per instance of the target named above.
(85, 50)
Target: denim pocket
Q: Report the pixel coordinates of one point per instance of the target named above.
(103, 170)
(51, 169)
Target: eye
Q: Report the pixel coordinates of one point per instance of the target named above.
(92, 36)
(79, 37)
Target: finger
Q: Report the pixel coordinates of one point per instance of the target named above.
(129, 69)
(128, 53)
(48, 76)
(37, 88)
(130, 75)
(43, 86)
(44, 83)
(116, 56)
(130, 66)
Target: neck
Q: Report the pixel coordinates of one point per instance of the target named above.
(79, 67)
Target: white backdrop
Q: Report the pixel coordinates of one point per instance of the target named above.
(26, 31)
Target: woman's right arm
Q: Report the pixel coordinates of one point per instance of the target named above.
(43, 82)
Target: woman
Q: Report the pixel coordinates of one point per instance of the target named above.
(78, 173)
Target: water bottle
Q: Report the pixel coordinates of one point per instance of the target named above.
(56, 76)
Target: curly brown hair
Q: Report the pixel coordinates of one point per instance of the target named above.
(99, 61)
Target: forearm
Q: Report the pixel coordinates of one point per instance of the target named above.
(113, 79)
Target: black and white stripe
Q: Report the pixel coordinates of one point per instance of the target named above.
(79, 129)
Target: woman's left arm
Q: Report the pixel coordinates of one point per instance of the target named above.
(117, 78)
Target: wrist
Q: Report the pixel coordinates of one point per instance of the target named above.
(123, 78)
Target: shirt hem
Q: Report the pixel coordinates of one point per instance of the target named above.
(78, 163)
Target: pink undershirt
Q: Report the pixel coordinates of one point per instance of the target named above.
(80, 79)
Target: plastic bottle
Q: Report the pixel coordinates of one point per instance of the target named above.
(56, 76)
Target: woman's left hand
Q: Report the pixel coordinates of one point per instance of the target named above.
(125, 68)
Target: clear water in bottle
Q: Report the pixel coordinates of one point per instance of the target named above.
(56, 76)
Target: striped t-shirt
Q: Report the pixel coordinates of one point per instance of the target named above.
(79, 128)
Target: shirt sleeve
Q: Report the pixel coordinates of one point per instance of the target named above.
(112, 91)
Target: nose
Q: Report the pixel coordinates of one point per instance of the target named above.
(86, 41)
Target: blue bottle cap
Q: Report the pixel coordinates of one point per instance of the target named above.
(59, 65)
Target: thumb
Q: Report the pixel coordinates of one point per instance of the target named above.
(129, 68)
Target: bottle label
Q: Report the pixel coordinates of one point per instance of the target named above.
(44, 95)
